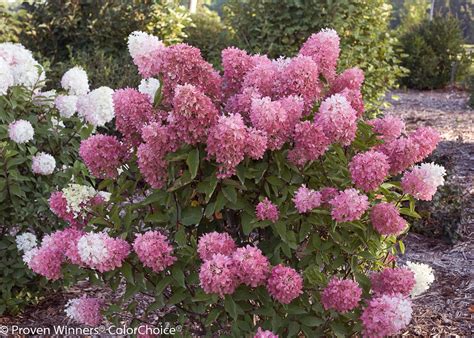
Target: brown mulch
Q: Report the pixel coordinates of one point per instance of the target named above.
(447, 308)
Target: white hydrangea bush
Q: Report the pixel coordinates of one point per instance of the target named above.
(40, 134)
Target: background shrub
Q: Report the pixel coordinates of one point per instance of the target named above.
(433, 48)
(93, 34)
(209, 34)
(279, 27)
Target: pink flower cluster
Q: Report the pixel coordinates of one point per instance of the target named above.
(55, 249)
(266, 210)
(213, 243)
(306, 199)
(393, 281)
(386, 315)
(193, 114)
(284, 284)
(388, 128)
(264, 334)
(59, 206)
(341, 295)
(369, 170)
(310, 142)
(349, 205)
(103, 155)
(338, 119)
(154, 250)
(85, 310)
(225, 267)
(423, 181)
(132, 111)
(386, 219)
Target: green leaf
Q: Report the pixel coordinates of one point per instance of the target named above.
(311, 321)
(191, 215)
(127, 272)
(230, 306)
(193, 162)
(178, 275)
(230, 193)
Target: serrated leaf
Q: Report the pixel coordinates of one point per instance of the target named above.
(192, 162)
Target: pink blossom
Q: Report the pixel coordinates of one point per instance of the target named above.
(154, 250)
(132, 111)
(306, 199)
(369, 170)
(276, 118)
(193, 114)
(213, 243)
(46, 261)
(422, 181)
(59, 206)
(236, 64)
(252, 267)
(401, 154)
(338, 119)
(427, 139)
(354, 97)
(348, 205)
(389, 128)
(386, 315)
(85, 310)
(264, 334)
(323, 48)
(327, 194)
(386, 219)
(310, 143)
(227, 143)
(256, 143)
(262, 78)
(66, 241)
(342, 295)
(285, 284)
(218, 275)
(183, 64)
(159, 141)
(241, 103)
(351, 78)
(146, 51)
(301, 77)
(266, 210)
(392, 281)
(103, 155)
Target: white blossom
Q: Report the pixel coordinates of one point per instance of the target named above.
(75, 81)
(92, 248)
(141, 44)
(23, 67)
(43, 164)
(66, 105)
(21, 131)
(76, 195)
(26, 241)
(97, 107)
(149, 86)
(423, 277)
(6, 77)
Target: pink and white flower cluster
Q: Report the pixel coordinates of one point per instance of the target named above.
(85, 310)
(225, 267)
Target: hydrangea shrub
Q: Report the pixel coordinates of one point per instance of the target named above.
(254, 202)
(39, 141)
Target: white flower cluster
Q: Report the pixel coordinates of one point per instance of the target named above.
(23, 68)
(401, 309)
(434, 173)
(75, 81)
(76, 195)
(149, 86)
(6, 77)
(43, 164)
(26, 241)
(423, 277)
(66, 105)
(92, 248)
(141, 44)
(97, 107)
(21, 131)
